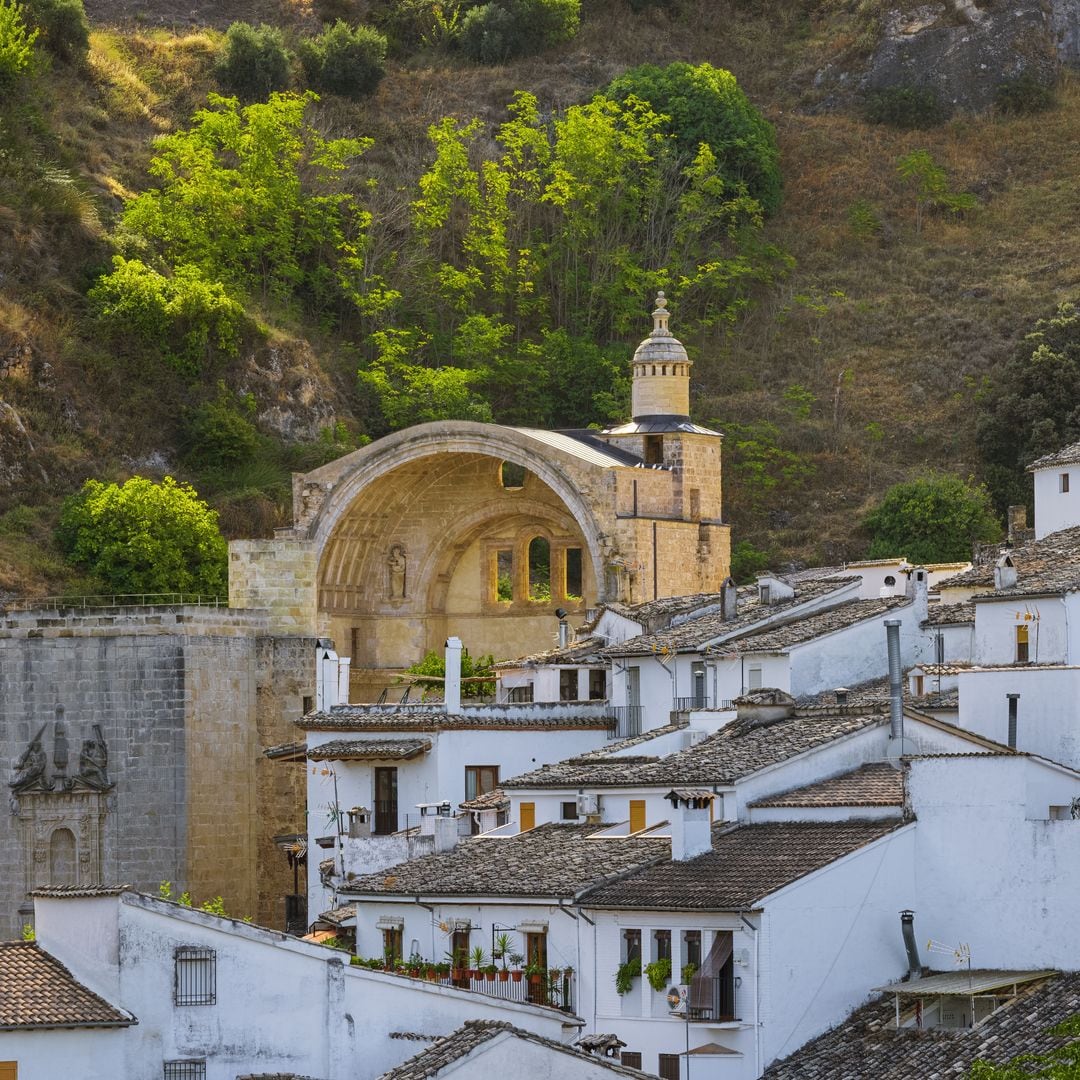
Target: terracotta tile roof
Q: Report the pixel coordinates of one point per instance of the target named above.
(809, 627)
(491, 800)
(873, 784)
(583, 652)
(1067, 455)
(292, 751)
(736, 750)
(746, 864)
(949, 614)
(37, 991)
(692, 633)
(427, 718)
(1049, 565)
(339, 916)
(56, 892)
(866, 1046)
(552, 860)
(459, 1044)
(369, 750)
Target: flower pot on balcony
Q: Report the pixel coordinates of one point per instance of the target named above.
(504, 975)
(489, 974)
(516, 974)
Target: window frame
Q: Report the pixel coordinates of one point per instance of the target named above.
(206, 986)
(1063, 483)
(1023, 643)
(474, 775)
(184, 1069)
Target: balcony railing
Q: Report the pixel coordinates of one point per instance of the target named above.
(627, 721)
(556, 991)
(713, 1000)
(699, 701)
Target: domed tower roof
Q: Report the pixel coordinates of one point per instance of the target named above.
(661, 371)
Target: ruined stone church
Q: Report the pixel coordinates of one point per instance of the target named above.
(134, 736)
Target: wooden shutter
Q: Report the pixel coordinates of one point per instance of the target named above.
(9, 1070)
(527, 816)
(637, 815)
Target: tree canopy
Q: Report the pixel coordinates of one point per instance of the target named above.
(1031, 406)
(145, 537)
(936, 518)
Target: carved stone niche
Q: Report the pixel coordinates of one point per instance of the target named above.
(63, 837)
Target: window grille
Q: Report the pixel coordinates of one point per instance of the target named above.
(669, 1067)
(195, 980)
(631, 1059)
(185, 1070)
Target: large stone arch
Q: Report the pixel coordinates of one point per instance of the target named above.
(361, 506)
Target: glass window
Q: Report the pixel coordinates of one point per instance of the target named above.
(194, 976)
(568, 684)
(1022, 644)
(597, 685)
(569, 811)
(631, 946)
(1064, 482)
(574, 589)
(480, 779)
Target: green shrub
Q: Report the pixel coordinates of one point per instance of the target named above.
(345, 60)
(16, 43)
(706, 105)
(410, 25)
(503, 29)
(145, 537)
(189, 318)
(1024, 95)
(65, 31)
(219, 434)
(254, 61)
(907, 107)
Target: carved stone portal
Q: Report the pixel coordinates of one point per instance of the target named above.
(63, 835)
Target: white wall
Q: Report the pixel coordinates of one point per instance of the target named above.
(88, 1054)
(507, 1056)
(1048, 712)
(283, 1005)
(1055, 510)
(988, 875)
(995, 629)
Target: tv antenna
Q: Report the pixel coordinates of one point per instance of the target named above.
(961, 953)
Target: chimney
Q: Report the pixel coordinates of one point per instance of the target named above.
(1013, 699)
(691, 822)
(452, 685)
(729, 599)
(907, 928)
(896, 705)
(445, 829)
(564, 633)
(1004, 572)
(326, 676)
(1017, 518)
(344, 666)
(841, 695)
(759, 708)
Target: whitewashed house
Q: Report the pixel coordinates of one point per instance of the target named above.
(183, 994)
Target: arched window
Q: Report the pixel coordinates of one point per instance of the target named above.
(62, 858)
(890, 580)
(539, 569)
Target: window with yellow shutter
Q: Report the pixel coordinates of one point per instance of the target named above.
(527, 816)
(9, 1070)
(637, 815)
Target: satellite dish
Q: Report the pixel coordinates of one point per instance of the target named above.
(676, 999)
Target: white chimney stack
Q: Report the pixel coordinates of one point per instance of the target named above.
(326, 678)
(452, 686)
(691, 822)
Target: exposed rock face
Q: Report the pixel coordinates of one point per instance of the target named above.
(964, 50)
(295, 398)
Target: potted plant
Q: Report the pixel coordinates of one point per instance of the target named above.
(535, 973)
(500, 948)
(658, 973)
(490, 971)
(457, 962)
(688, 971)
(625, 974)
(478, 961)
(515, 962)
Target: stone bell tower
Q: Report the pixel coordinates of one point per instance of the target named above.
(661, 388)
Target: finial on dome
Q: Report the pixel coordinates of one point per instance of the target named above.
(661, 314)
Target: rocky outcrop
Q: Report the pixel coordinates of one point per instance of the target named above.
(294, 399)
(964, 50)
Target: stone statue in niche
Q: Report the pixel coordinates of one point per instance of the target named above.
(94, 763)
(30, 768)
(396, 565)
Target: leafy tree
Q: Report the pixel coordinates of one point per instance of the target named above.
(936, 518)
(703, 104)
(145, 537)
(16, 43)
(254, 61)
(344, 59)
(931, 184)
(219, 433)
(1031, 405)
(1060, 1063)
(254, 198)
(187, 319)
(434, 664)
(65, 32)
(502, 29)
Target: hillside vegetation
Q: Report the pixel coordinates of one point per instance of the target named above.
(849, 353)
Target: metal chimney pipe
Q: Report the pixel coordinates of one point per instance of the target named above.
(896, 707)
(564, 634)
(907, 928)
(1013, 699)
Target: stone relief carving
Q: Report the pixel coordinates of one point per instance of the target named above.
(30, 768)
(94, 763)
(396, 565)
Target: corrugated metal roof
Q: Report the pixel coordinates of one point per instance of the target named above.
(964, 983)
(579, 448)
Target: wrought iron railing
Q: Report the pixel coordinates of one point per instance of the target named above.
(713, 999)
(102, 600)
(626, 721)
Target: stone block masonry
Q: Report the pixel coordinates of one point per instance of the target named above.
(176, 694)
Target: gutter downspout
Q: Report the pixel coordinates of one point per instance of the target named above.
(431, 910)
